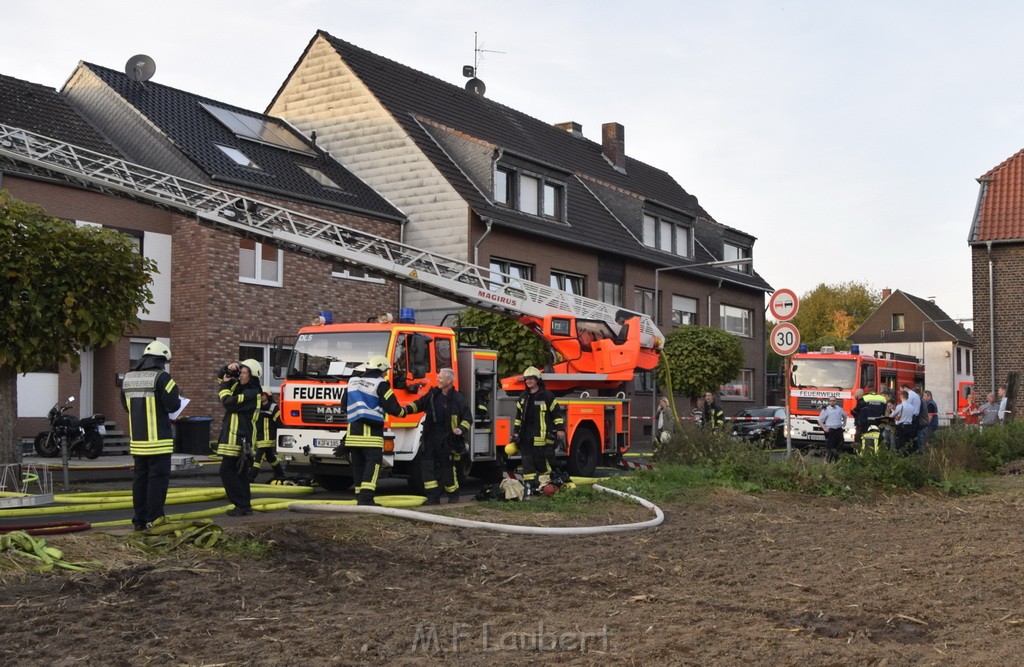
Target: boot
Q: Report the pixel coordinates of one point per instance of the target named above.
(433, 497)
(365, 498)
(278, 472)
(453, 497)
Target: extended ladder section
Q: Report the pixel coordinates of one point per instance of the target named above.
(440, 275)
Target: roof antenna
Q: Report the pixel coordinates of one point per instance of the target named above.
(475, 85)
(140, 68)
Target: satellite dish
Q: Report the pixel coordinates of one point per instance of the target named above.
(140, 68)
(477, 86)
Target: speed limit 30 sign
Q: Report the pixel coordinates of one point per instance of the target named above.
(785, 339)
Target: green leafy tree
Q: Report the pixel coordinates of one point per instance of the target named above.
(700, 359)
(517, 347)
(64, 289)
(835, 310)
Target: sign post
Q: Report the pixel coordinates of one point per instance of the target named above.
(785, 341)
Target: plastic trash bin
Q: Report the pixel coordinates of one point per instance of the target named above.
(192, 435)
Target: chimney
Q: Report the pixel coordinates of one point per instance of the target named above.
(886, 293)
(613, 145)
(572, 127)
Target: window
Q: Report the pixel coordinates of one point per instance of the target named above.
(529, 193)
(739, 321)
(567, 282)
(740, 389)
(135, 350)
(731, 251)
(503, 186)
(267, 356)
(320, 177)
(609, 292)
(897, 322)
(339, 270)
(237, 156)
(643, 381)
(259, 263)
(643, 301)
(967, 354)
(684, 310)
(667, 235)
(261, 130)
(513, 273)
(959, 361)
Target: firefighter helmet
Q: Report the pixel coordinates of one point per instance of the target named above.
(531, 372)
(511, 449)
(158, 349)
(254, 367)
(377, 362)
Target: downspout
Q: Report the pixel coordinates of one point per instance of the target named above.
(476, 246)
(991, 317)
(401, 287)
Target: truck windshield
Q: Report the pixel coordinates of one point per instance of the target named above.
(833, 373)
(331, 354)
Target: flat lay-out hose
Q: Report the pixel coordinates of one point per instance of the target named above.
(659, 517)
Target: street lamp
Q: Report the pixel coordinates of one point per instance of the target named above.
(657, 312)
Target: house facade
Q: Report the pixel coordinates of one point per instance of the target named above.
(996, 239)
(218, 297)
(907, 324)
(484, 183)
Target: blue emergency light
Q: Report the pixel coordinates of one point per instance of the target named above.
(407, 315)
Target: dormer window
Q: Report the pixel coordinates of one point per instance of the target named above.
(733, 251)
(528, 192)
(668, 235)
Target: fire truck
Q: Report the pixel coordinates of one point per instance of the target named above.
(596, 347)
(817, 376)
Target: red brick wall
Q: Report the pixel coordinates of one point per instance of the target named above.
(1008, 299)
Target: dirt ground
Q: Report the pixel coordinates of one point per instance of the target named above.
(729, 578)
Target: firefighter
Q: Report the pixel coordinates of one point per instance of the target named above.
(446, 420)
(150, 396)
(869, 414)
(369, 397)
(539, 420)
(267, 421)
(712, 416)
(240, 394)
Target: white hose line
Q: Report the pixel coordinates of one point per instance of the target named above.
(659, 517)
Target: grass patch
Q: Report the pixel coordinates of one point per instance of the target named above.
(245, 547)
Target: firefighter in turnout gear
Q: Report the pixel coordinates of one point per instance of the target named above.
(240, 394)
(368, 398)
(150, 395)
(267, 421)
(539, 421)
(447, 418)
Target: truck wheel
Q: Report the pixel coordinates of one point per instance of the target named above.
(584, 454)
(333, 482)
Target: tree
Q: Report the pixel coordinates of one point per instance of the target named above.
(63, 289)
(835, 310)
(700, 359)
(517, 347)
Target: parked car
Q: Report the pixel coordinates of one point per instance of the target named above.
(765, 425)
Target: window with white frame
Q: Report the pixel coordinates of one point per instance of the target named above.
(339, 270)
(898, 322)
(732, 251)
(513, 271)
(643, 301)
(667, 235)
(259, 263)
(268, 357)
(609, 292)
(567, 282)
(529, 192)
(684, 310)
(739, 321)
(740, 389)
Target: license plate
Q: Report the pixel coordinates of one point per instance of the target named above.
(101, 429)
(815, 437)
(326, 442)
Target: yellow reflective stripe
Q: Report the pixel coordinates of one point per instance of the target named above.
(151, 448)
(372, 484)
(151, 414)
(169, 386)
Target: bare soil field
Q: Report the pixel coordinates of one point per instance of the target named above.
(729, 578)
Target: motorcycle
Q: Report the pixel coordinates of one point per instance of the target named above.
(83, 437)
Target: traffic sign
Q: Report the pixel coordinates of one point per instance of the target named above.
(783, 305)
(785, 339)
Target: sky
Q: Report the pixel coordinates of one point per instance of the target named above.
(847, 137)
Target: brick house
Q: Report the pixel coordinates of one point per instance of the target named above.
(221, 297)
(482, 182)
(908, 324)
(996, 239)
